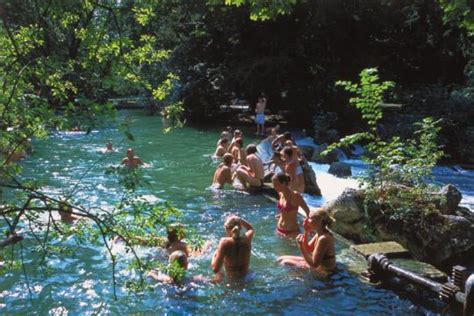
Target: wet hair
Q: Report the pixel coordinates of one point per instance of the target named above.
(282, 178)
(287, 136)
(233, 224)
(288, 151)
(326, 219)
(251, 149)
(179, 257)
(227, 158)
(239, 142)
(175, 233)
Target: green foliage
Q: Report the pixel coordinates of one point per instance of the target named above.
(398, 168)
(262, 10)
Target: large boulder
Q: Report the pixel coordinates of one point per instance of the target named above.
(310, 184)
(307, 151)
(427, 233)
(340, 169)
(450, 196)
(348, 211)
(326, 159)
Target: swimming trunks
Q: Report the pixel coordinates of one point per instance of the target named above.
(284, 232)
(260, 118)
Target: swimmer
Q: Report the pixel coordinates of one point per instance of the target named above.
(131, 161)
(65, 212)
(178, 259)
(221, 148)
(319, 253)
(223, 173)
(234, 250)
(253, 173)
(109, 146)
(289, 202)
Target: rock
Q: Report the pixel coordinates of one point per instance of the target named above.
(310, 184)
(340, 169)
(451, 198)
(429, 235)
(348, 211)
(327, 159)
(307, 151)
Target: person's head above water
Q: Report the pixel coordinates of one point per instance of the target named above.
(180, 258)
(175, 232)
(281, 178)
(232, 226)
(109, 145)
(130, 153)
(227, 159)
(320, 214)
(237, 133)
(251, 149)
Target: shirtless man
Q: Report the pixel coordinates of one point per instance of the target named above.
(260, 115)
(131, 161)
(222, 147)
(223, 172)
(238, 152)
(234, 250)
(253, 173)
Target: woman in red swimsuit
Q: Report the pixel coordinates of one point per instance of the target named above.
(319, 253)
(288, 205)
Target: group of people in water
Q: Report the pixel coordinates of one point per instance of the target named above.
(315, 242)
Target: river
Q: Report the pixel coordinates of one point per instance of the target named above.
(180, 171)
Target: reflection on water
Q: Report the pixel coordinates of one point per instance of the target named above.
(80, 282)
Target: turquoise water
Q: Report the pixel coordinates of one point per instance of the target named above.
(180, 171)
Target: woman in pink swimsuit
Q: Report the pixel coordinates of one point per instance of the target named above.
(288, 204)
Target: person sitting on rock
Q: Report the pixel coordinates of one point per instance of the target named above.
(318, 253)
(238, 152)
(222, 148)
(223, 173)
(253, 173)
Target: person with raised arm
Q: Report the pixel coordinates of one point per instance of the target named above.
(233, 251)
(319, 252)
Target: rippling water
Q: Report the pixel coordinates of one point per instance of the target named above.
(180, 171)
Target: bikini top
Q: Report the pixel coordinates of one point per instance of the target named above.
(287, 207)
